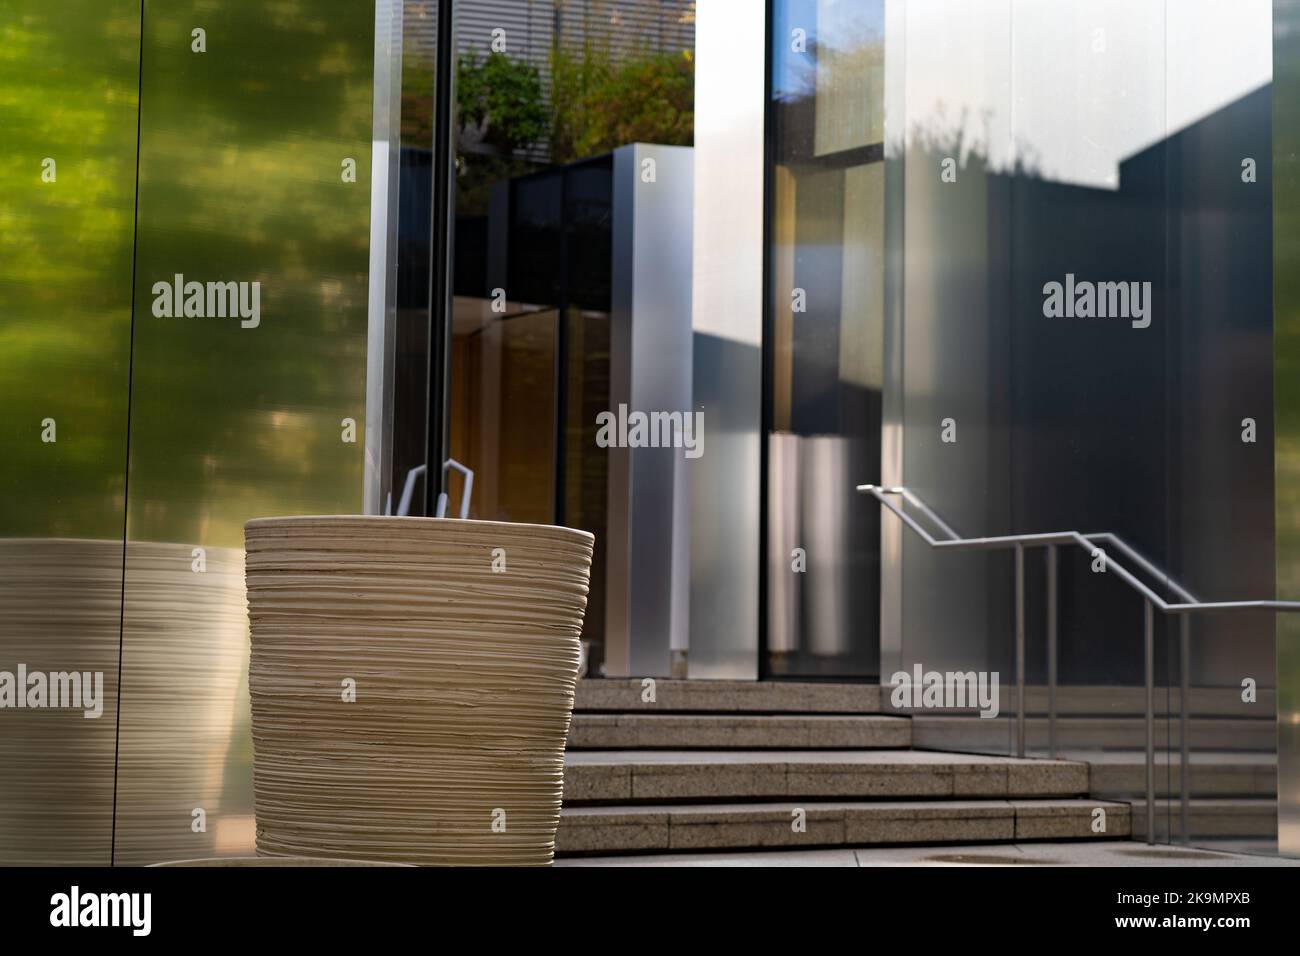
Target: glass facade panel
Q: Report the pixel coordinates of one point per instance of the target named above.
(1099, 147)
(235, 389)
(987, 154)
(410, 377)
(825, 343)
(243, 150)
(530, 374)
(539, 110)
(954, 106)
(69, 90)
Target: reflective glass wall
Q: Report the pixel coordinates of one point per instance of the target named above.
(824, 344)
(69, 92)
(186, 348)
(937, 169)
(1121, 151)
(545, 91)
(244, 178)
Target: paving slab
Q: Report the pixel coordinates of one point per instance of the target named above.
(1100, 853)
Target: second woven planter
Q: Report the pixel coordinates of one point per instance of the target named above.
(412, 683)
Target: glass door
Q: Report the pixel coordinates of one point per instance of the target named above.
(824, 341)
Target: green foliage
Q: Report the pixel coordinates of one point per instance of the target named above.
(575, 78)
(502, 99)
(596, 105)
(417, 107)
(599, 105)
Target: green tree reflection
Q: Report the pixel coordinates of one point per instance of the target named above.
(241, 179)
(241, 152)
(68, 93)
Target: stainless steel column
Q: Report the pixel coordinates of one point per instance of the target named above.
(382, 308)
(650, 371)
(727, 320)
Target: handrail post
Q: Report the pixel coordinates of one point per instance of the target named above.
(1150, 670)
(1051, 648)
(1184, 750)
(1020, 650)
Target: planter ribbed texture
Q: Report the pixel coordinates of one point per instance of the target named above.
(453, 750)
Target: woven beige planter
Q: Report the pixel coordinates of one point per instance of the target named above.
(412, 683)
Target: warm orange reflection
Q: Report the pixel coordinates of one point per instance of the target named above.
(503, 409)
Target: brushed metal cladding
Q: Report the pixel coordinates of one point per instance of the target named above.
(650, 372)
(385, 183)
(892, 336)
(727, 320)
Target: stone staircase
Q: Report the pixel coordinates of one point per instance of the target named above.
(720, 765)
(1232, 766)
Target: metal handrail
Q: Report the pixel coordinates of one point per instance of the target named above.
(1187, 604)
(408, 490)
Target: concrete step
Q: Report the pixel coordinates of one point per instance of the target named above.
(613, 694)
(620, 776)
(1212, 773)
(730, 696)
(1112, 701)
(755, 825)
(1118, 701)
(748, 731)
(1213, 818)
(948, 732)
